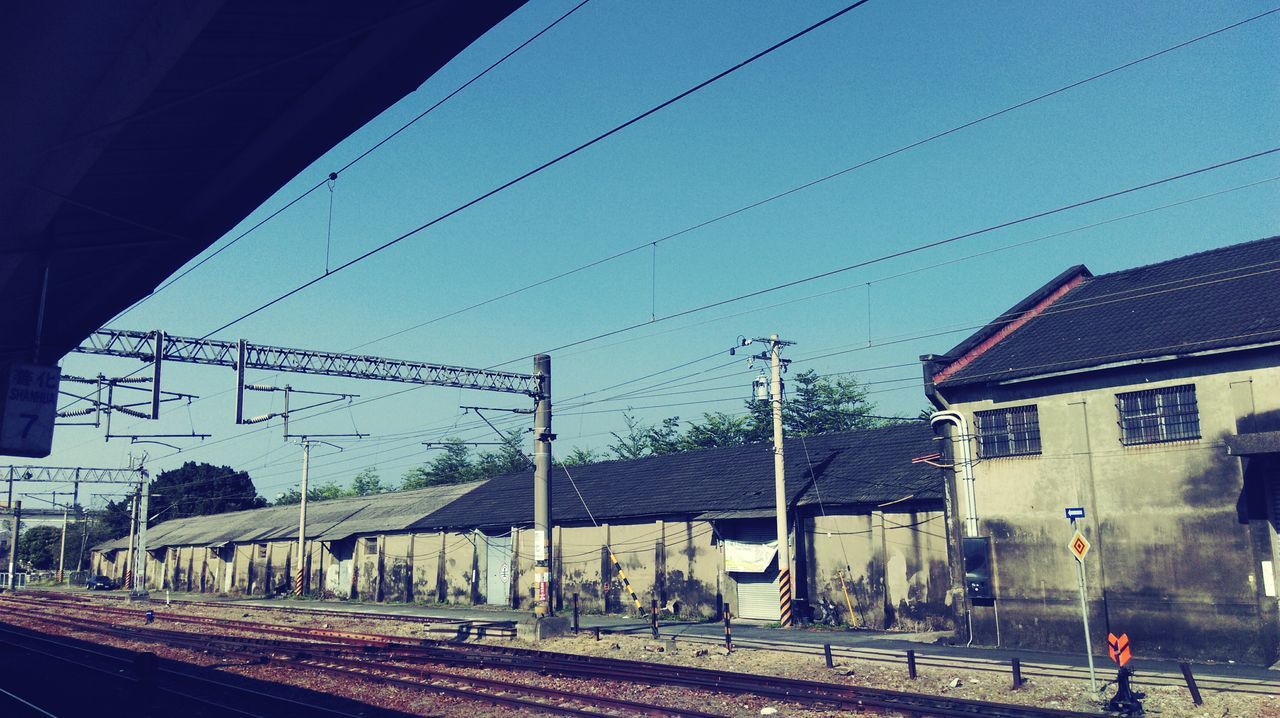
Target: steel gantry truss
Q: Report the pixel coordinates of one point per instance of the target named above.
(143, 345)
(156, 348)
(76, 475)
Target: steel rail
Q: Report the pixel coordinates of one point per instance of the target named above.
(494, 627)
(320, 656)
(841, 697)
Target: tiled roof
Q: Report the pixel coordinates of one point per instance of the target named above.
(1222, 298)
(858, 467)
(326, 520)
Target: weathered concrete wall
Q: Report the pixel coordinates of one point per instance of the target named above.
(1178, 545)
(892, 567)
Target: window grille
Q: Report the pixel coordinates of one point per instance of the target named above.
(1014, 431)
(1154, 415)
(371, 544)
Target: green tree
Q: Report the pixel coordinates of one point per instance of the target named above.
(816, 405)
(199, 489)
(509, 458)
(641, 439)
(38, 547)
(367, 482)
(717, 429)
(580, 456)
(323, 492)
(454, 466)
(634, 442)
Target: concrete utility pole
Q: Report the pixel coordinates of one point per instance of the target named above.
(302, 521)
(543, 437)
(140, 557)
(780, 482)
(133, 533)
(62, 549)
(16, 506)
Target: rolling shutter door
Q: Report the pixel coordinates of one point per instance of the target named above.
(757, 592)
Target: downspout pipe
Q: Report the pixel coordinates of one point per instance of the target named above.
(961, 436)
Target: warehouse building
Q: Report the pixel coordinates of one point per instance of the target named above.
(1149, 400)
(254, 551)
(692, 531)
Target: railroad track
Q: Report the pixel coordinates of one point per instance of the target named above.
(492, 628)
(164, 687)
(1206, 683)
(385, 656)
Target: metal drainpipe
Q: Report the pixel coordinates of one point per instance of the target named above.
(966, 463)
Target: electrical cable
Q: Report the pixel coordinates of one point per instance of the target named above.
(913, 250)
(544, 166)
(368, 151)
(820, 180)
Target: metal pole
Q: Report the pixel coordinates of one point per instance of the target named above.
(156, 364)
(780, 483)
(13, 542)
(1084, 616)
(542, 486)
(302, 521)
(140, 557)
(240, 372)
(133, 532)
(62, 550)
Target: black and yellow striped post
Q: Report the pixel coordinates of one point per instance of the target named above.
(625, 583)
(785, 616)
(728, 629)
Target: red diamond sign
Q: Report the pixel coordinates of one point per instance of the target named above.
(1079, 546)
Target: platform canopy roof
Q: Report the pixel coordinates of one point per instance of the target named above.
(137, 132)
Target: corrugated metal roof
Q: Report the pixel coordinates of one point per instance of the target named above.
(870, 466)
(326, 520)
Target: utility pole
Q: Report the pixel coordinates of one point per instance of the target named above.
(139, 591)
(543, 605)
(780, 482)
(298, 581)
(62, 550)
(16, 506)
(133, 532)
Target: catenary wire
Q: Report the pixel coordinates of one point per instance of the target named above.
(544, 166)
(820, 180)
(348, 165)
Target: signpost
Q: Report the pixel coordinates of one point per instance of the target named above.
(28, 405)
(1079, 547)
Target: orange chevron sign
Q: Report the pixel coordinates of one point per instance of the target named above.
(1118, 648)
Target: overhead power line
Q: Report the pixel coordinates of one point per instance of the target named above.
(823, 179)
(368, 151)
(545, 165)
(912, 250)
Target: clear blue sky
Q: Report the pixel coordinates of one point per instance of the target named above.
(879, 78)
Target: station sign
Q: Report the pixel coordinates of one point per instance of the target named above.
(28, 407)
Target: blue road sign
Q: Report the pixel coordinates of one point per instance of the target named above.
(1075, 512)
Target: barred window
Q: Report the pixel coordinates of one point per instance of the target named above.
(371, 544)
(1155, 415)
(1014, 431)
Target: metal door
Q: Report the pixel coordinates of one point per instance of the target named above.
(498, 574)
(758, 594)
